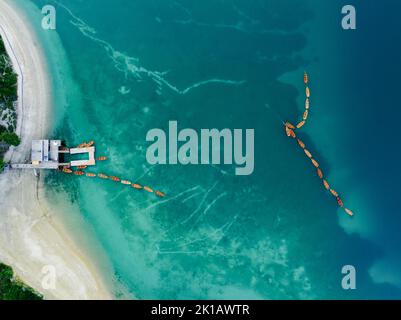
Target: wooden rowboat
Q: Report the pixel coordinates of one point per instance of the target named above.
(301, 144)
(349, 212)
(334, 193)
(315, 163)
(306, 78)
(288, 131)
(320, 173)
(308, 154)
(289, 125)
(307, 105)
(160, 194)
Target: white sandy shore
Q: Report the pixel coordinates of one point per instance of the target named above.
(31, 238)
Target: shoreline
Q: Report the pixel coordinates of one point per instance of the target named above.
(31, 237)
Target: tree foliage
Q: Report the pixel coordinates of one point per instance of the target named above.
(10, 138)
(8, 79)
(12, 289)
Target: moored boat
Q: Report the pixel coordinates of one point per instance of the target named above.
(306, 78)
(340, 202)
(301, 144)
(160, 194)
(349, 212)
(289, 125)
(301, 124)
(315, 163)
(334, 193)
(305, 116)
(308, 154)
(82, 145)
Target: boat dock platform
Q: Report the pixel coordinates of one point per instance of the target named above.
(48, 154)
(91, 157)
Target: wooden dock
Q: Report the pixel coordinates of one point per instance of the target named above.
(45, 165)
(91, 156)
(45, 154)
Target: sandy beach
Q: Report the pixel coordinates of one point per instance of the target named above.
(32, 241)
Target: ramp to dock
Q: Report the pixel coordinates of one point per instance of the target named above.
(43, 165)
(91, 156)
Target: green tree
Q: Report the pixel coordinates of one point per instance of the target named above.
(10, 138)
(11, 289)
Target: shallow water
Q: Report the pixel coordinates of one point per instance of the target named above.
(130, 66)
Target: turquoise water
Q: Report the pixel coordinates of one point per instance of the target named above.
(124, 67)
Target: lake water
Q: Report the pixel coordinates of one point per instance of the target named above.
(121, 68)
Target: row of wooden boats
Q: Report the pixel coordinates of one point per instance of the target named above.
(115, 179)
(290, 131)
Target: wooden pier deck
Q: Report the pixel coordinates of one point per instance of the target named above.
(91, 153)
(44, 165)
(45, 154)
